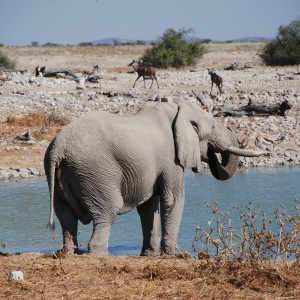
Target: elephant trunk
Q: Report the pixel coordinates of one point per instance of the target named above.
(226, 168)
(223, 141)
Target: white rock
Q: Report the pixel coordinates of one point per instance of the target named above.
(16, 275)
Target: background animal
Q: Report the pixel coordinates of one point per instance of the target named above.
(145, 72)
(215, 79)
(89, 73)
(263, 139)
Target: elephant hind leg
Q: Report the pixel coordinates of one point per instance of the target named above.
(150, 219)
(69, 225)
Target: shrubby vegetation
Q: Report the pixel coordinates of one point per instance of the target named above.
(6, 62)
(285, 49)
(254, 237)
(172, 50)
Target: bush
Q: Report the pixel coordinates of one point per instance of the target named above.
(254, 237)
(172, 50)
(285, 49)
(6, 62)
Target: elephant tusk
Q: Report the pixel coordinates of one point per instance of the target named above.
(246, 153)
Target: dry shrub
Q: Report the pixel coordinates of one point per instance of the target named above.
(38, 119)
(30, 120)
(256, 238)
(57, 119)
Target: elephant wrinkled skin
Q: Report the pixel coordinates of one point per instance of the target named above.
(102, 165)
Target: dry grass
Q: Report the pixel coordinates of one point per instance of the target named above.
(20, 153)
(234, 47)
(84, 277)
(35, 121)
(96, 51)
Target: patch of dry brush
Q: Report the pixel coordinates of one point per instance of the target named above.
(84, 277)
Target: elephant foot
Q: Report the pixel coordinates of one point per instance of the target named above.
(150, 252)
(98, 253)
(168, 246)
(97, 250)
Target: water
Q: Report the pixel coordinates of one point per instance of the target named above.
(24, 209)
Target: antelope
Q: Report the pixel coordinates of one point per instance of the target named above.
(215, 79)
(262, 139)
(143, 71)
(208, 108)
(87, 73)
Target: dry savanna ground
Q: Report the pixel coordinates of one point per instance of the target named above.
(83, 277)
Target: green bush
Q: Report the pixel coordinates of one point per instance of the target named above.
(6, 62)
(172, 50)
(285, 49)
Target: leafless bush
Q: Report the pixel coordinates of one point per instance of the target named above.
(257, 238)
(58, 119)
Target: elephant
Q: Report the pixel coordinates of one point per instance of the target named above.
(102, 165)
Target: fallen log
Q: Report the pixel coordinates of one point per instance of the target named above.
(54, 72)
(254, 109)
(249, 110)
(236, 66)
(270, 109)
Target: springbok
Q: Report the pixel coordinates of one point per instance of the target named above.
(88, 73)
(143, 71)
(215, 79)
(262, 139)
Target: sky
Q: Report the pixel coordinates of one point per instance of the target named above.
(75, 21)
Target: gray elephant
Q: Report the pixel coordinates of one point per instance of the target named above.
(102, 165)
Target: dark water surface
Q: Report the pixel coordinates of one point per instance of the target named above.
(24, 209)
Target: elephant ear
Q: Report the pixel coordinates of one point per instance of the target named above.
(186, 139)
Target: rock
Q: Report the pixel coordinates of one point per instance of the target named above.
(16, 276)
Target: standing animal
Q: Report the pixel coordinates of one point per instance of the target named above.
(144, 71)
(103, 165)
(263, 139)
(215, 79)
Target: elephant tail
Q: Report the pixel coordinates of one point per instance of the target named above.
(51, 161)
(51, 178)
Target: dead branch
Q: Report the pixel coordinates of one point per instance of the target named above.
(54, 72)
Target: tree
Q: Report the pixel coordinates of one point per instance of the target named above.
(285, 49)
(173, 50)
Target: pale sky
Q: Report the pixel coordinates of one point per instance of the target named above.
(74, 21)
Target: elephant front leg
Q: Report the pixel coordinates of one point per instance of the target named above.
(150, 219)
(98, 244)
(171, 218)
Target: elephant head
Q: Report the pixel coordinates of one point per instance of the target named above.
(198, 136)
